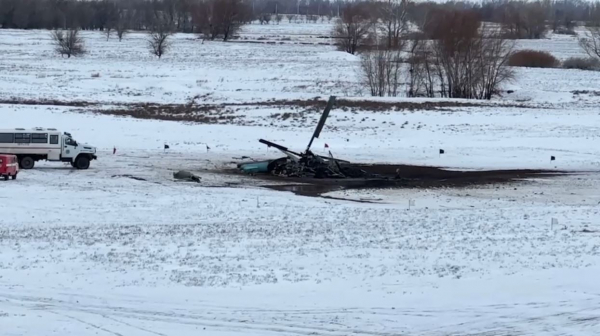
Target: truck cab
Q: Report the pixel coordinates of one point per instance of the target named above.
(79, 155)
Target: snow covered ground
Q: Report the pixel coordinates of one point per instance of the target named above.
(98, 252)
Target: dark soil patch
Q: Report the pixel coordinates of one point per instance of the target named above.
(49, 102)
(225, 113)
(401, 177)
(199, 113)
(377, 106)
(586, 92)
(206, 113)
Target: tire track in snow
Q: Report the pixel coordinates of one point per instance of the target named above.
(52, 306)
(134, 326)
(87, 323)
(503, 320)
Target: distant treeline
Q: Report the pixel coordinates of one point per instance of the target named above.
(185, 15)
(524, 18)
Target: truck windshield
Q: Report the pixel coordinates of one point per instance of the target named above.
(70, 142)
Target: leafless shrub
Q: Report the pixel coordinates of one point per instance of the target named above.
(159, 34)
(290, 17)
(353, 27)
(278, 18)
(422, 69)
(582, 63)
(382, 72)
(533, 59)
(591, 42)
(465, 60)
(491, 60)
(472, 59)
(68, 42)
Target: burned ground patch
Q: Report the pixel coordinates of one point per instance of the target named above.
(397, 177)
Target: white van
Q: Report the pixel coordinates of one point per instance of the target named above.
(45, 144)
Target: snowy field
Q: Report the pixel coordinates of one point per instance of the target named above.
(97, 252)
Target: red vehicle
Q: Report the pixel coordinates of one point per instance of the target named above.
(9, 166)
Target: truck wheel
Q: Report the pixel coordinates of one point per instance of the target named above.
(27, 163)
(5, 177)
(82, 162)
(14, 177)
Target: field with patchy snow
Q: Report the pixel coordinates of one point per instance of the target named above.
(123, 249)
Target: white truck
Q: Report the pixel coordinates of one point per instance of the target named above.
(45, 144)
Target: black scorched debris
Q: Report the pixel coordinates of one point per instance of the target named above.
(305, 164)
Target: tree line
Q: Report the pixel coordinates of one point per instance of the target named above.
(451, 54)
(188, 16)
(526, 19)
(453, 50)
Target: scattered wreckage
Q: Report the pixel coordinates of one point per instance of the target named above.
(311, 174)
(305, 164)
(185, 175)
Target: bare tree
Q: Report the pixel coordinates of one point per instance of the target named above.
(68, 43)
(278, 18)
(108, 31)
(290, 17)
(95, 14)
(394, 22)
(264, 18)
(382, 71)
(121, 29)
(491, 60)
(159, 34)
(421, 69)
(231, 15)
(472, 64)
(122, 23)
(591, 43)
(206, 20)
(525, 20)
(535, 20)
(221, 18)
(594, 15)
(465, 60)
(353, 27)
